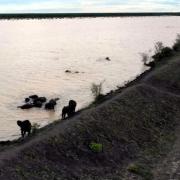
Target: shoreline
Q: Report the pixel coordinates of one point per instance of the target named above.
(82, 15)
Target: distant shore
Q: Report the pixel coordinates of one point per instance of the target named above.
(82, 15)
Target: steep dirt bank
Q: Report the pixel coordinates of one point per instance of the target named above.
(134, 127)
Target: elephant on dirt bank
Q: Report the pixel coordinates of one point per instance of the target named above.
(25, 126)
(69, 110)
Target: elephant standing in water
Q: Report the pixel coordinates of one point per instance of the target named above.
(51, 104)
(69, 110)
(25, 126)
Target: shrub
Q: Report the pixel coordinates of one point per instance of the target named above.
(96, 90)
(158, 47)
(161, 51)
(166, 52)
(96, 147)
(176, 46)
(35, 127)
(146, 59)
(151, 64)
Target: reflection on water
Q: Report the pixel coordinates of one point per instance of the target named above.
(34, 55)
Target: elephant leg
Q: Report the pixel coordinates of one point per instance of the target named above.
(22, 133)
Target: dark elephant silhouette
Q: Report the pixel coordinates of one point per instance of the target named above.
(51, 104)
(33, 96)
(25, 126)
(26, 106)
(41, 99)
(69, 110)
(37, 104)
(27, 100)
(72, 107)
(33, 101)
(65, 111)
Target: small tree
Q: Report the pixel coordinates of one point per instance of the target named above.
(96, 90)
(35, 127)
(158, 47)
(145, 58)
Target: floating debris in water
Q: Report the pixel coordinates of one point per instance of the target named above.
(108, 59)
(73, 72)
(67, 71)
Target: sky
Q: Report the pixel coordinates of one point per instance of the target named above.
(82, 6)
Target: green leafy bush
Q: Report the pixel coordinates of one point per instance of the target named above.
(96, 147)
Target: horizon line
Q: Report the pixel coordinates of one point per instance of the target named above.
(9, 16)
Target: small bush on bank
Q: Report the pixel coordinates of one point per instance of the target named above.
(147, 61)
(96, 147)
(145, 58)
(161, 51)
(176, 46)
(165, 52)
(96, 90)
(35, 127)
(158, 47)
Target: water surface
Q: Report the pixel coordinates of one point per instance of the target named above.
(34, 55)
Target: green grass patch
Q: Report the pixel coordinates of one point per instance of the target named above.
(96, 147)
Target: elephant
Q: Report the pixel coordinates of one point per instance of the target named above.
(51, 104)
(41, 99)
(65, 111)
(27, 100)
(72, 107)
(37, 104)
(69, 110)
(33, 96)
(25, 126)
(26, 106)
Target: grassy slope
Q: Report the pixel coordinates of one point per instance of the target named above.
(133, 126)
